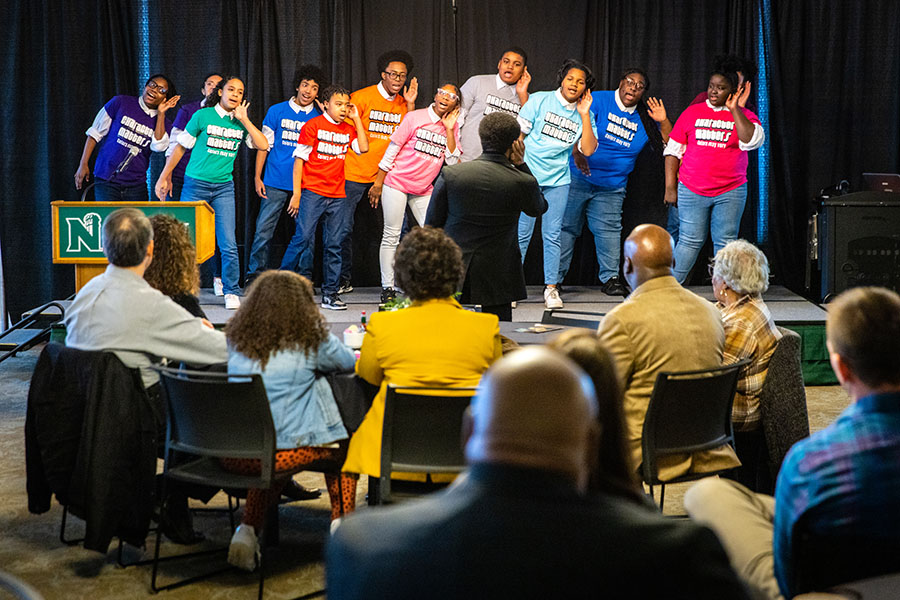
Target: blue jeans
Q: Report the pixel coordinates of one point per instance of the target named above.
(721, 215)
(603, 209)
(337, 214)
(269, 211)
(110, 191)
(356, 193)
(551, 226)
(672, 222)
(221, 197)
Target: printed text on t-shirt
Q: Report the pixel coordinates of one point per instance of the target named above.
(713, 132)
(331, 144)
(494, 104)
(383, 122)
(134, 132)
(560, 128)
(430, 143)
(620, 130)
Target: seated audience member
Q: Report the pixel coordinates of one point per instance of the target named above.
(616, 474)
(174, 268)
(120, 312)
(521, 523)
(279, 332)
(434, 342)
(740, 275)
(661, 327)
(843, 480)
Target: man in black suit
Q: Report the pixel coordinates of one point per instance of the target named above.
(520, 523)
(478, 204)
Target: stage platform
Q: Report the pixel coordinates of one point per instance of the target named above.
(788, 309)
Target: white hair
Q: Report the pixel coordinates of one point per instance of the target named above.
(743, 267)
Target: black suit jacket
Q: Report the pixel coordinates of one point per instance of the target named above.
(478, 204)
(508, 532)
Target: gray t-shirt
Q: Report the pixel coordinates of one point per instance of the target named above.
(481, 96)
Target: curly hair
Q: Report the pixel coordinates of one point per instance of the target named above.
(279, 313)
(743, 267)
(173, 270)
(616, 475)
(498, 131)
(310, 73)
(428, 264)
(395, 56)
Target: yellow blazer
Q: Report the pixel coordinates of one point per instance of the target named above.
(431, 343)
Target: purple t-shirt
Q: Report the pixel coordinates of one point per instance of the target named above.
(130, 129)
(181, 119)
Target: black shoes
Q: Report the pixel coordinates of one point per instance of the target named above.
(388, 295)
(296, 492)
(333, 302)
(613, 287)
(176, 522)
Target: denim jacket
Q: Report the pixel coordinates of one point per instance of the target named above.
(303, 407)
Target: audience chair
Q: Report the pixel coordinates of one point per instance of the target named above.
(91, 440)
(782, 400)
(823, 561)
(422, 434)
(689, 411)
(587, 320)
(213, 416)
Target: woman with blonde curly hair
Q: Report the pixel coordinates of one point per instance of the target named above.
(173, 270)
(740, 275)
(279, 333)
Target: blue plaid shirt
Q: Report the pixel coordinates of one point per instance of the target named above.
(845, 479)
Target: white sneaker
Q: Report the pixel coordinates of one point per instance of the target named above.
(551, 298)
(514, 304)
(218, 288)
(232, 302)
(334, 525)
(243, 552)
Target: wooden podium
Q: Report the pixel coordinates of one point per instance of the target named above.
(77, 227)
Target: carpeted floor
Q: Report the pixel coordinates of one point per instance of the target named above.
(31, 550)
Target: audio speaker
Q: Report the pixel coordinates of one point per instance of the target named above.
(859, 242)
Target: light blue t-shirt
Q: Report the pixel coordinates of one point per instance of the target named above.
(622, 140)
(285, 124)
(554, 127)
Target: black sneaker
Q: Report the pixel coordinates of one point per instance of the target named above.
(345, 288)
(613, 287)
(333, 302)
(388, 295)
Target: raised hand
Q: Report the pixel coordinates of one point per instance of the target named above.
(744, 95)
(412, 90)
(523, 82)
(517, 152)
(353, 113)
(81, 175)
(584, 103)
(167, 104)
(656, 109)
(449, 119)
(240, 111)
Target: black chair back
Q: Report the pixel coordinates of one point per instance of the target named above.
(217, 415)
(821, 561)
(422, 432)
(584, 319)
(689, 411)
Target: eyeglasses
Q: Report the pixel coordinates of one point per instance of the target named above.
(395, 75)
(450, 95)
(155, 86)
(638, 85)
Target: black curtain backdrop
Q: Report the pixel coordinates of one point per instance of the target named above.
(831, 64)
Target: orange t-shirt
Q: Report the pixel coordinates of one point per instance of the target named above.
(380, 117)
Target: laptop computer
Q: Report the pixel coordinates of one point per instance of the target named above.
(882, 182)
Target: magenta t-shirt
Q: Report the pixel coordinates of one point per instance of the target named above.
(712, 163)
(423, 144)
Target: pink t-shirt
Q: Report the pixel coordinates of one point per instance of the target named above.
(712, 163)
(423, 145)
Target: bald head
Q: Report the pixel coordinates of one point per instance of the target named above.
(536, 409)
(649, 254)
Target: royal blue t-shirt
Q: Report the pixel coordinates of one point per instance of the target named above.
(620, 138)
(130, 129)
(285, 124)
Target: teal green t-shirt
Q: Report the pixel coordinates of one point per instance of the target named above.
(218, 140)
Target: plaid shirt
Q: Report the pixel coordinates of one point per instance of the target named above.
(845, 479)
(750, 333)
